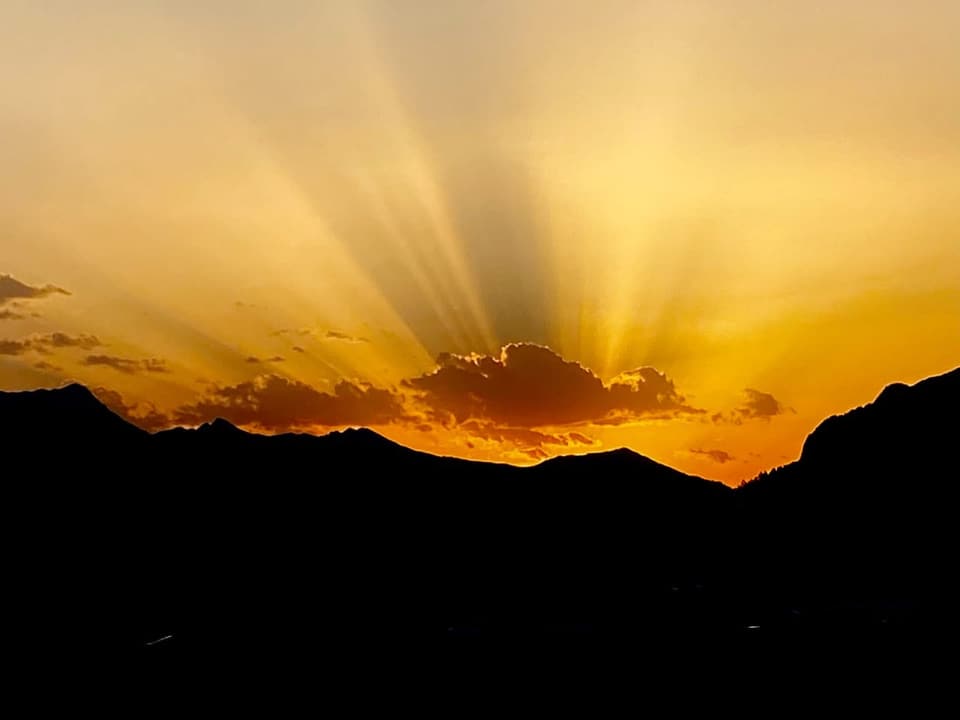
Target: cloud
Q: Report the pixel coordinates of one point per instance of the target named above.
(335, 335)
(253, 360)
(523, 438)
(276, 403)
(719, 456)
(13, 289)
(760, 405)
(49, 367)
(43, 344)
(11, 315)
(756, 405)
(298, 349)
(530, 385)
(61, 340)
(343, 337)
(14, 347)
(144, 415)
(536, 453)
(127, 365)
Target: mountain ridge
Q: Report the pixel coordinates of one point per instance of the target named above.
(76, 393)
(349, 540)
(76, 396)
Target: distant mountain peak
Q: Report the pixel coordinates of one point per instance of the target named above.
(221, 426)
(73, 407)
(73, 392)
(360, 432)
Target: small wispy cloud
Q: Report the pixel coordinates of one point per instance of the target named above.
(44, 344)
(329, 335)
(13, 289)
(718, 456)
(756, 405)
(128, 366)
(254, 360)
(343, 337)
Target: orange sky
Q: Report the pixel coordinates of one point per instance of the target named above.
(473, 225)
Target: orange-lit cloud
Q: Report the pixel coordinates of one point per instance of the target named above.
(718, 456)
(128, 366)
(254, 360)
(14, 347)
(344, 337)
(46, 366)
(44, 344)
(276, 404)
(522, 437)
(11, 313)
(13, 289)
(530, 385)
(322, 335)
(514, 402)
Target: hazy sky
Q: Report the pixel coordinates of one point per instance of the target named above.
(310, 214)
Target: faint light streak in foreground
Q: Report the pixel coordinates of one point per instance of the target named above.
(159, 640)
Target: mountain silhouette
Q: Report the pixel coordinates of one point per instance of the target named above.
(70, 415)
(213, 542)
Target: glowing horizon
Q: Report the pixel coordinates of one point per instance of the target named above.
(761, 201)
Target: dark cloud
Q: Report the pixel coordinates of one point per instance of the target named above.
(61, 340)
(275, 403)
(11, 315)
(532, 386)
(719, 456)
(523, 438)
(760, 405)
(14, 347)
(43, 344)
(13, 289)
(128, 366)
(334, 335)
(253, 360)
(144, 415)
(756, 405)
(154, 365)
(49, 367)
(343, 337)
(298, 349)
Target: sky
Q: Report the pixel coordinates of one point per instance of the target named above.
(499, 230)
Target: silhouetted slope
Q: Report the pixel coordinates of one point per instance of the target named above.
(865, 518)
(68, 415)
(240, 543)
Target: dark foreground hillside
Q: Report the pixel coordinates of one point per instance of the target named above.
(215, 545)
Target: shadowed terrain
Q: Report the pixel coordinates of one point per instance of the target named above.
(218, 543)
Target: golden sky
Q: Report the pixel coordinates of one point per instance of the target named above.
(495, 229)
